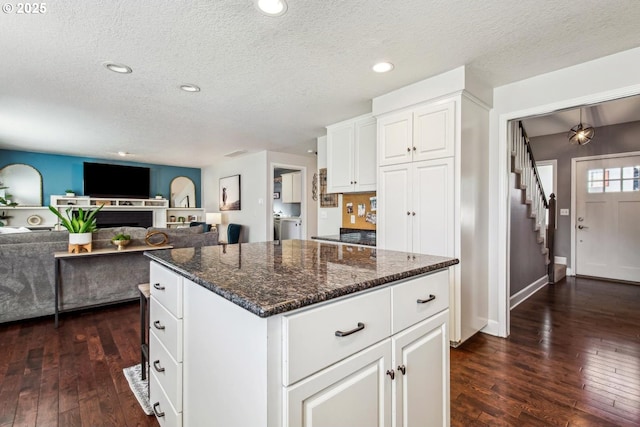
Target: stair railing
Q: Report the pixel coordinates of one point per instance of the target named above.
(525, 165)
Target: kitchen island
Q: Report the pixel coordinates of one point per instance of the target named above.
(299, 333)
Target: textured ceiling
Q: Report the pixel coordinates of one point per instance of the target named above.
(267, 83)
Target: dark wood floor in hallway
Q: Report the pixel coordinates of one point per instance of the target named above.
(71, 376)
(573, 359)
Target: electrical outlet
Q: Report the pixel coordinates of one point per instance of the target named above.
(353, 219)
(564, 212)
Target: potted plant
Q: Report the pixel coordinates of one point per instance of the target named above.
(70, 193)
(80, 224)
(121, 240)
(159, 196)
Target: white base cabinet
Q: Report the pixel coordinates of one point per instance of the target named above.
(389, 366)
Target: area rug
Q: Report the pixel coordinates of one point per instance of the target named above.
(139, 386)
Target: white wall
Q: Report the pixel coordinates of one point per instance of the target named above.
(329, 219)
(309, 210)
(254, 188)
(603, 79)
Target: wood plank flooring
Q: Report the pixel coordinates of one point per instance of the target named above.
(71, 376)
(573, 359)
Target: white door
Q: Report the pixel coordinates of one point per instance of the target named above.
(608, 218)
(394, 208)
(355, 392)
(422, 392)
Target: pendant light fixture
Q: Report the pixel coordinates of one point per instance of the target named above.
(582, 133)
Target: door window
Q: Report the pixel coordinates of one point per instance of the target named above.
(613, 180)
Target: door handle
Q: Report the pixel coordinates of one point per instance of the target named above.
(582, 227)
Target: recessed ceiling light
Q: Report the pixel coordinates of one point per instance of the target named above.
(382, 67)
(190, 88)
(122, 153)
(118, 68)
(272, 7)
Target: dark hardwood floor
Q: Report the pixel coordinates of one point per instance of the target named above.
(71, 376)
(573, 359)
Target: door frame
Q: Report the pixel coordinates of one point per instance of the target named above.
(574, 202)
(499, 270)
(303, 204)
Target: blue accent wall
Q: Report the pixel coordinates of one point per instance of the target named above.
(60, 173)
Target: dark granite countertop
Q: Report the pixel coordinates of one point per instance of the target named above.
(268, 278)
(351, 236)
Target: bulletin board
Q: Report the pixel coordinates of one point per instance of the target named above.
(363, 206)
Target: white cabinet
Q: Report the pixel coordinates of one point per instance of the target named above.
(433, 192)
(351, 156)
(416, 213)
(166, 345)
(176, 217)
(294, 369)
(292, 187)
(423, 133)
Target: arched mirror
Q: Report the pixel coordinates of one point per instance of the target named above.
(24, 184)
(183, 193)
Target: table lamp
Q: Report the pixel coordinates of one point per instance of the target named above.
(213, 218)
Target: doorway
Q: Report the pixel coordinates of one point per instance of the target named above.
(288, 208)
(606, 231)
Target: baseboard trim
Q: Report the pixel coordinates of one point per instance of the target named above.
(516, 299)
(492, 328)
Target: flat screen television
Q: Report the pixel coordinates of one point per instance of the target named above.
(107, 180)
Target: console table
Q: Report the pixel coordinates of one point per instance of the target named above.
(96, 252)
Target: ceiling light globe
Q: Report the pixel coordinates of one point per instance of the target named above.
(272, 7)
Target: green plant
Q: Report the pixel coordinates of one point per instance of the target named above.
(68, 191)
(122, 237)
(79, 221)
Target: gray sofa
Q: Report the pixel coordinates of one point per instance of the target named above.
(27, 270)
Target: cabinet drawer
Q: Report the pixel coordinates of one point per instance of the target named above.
(167, 328)
(166, 287)
(167, 371)
(310, 342)
(419, 298)
(161, 406)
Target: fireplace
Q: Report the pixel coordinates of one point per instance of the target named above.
(124, 218)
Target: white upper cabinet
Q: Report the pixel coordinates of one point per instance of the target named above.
(351, 156)
(292, 187)
(424, 133)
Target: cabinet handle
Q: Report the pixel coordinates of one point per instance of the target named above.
(414, 148)
(355, 182)
(422, 301)
(408, 149)
(157, 366)
(391, 373)
(158, 325)
(413, 213)
(408, 213)
(353, 331)
(155, 411)
(402, 369)
(158, 286)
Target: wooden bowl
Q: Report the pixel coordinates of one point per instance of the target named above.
(121, 243)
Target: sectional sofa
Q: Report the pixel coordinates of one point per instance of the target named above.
(27, 276)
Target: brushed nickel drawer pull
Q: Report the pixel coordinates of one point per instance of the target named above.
(402, 369)
(353, 331)
(158, 286)
(422, 301)
(158, 325)
(157, 367)
(155, 411)
(391, 373)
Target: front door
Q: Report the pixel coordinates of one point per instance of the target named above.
(608, 218)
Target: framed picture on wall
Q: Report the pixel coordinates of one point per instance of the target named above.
(230, 193)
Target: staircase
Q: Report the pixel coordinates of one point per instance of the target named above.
(528, 180)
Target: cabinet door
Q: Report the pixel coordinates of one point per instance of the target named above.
(355, 392)
(365, 167)
(395, 138)
(433, 204)
(434, 131)
(422, 392)
(394, 210)
(296, 187)
(340, 149)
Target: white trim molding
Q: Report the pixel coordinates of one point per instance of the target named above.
(525, 293)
